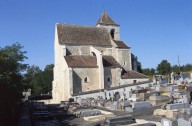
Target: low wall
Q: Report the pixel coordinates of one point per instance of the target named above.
(109, 93)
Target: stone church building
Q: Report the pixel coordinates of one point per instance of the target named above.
(90, 58)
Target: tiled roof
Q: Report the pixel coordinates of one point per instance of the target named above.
(82, 35)
(109, 61)
(106, 20)
(132, 75)
(81, 61)
(121, 44)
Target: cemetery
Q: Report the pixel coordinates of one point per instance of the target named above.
(169, 103)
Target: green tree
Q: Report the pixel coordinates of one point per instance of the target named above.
(42, 82)
(175, 69)
(139, 67)
(11, 82)
(49, 67)
(148, 71)
(30, 73)
(138, 64)
(164, 67)
(187, 67)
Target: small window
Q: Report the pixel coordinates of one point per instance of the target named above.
(134, 81)
(86, 80)
(93, 54)
(124, 63)
(108, 79)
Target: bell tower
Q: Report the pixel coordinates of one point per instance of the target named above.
(107, 22)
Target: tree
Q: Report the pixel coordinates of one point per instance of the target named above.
(139, 67)
(148, 71)
(164, 67)
(175, 69)
(30, 73)
(136, 64)
(42, 82)
(49, 67)
(11, 80)
(187, 67)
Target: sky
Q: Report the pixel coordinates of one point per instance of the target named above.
(154, 29)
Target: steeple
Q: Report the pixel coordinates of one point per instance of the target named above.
(106, 20)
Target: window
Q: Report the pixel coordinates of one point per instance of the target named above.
(86, 80)
(109, 79)
(93, 54)
(134, 81)
(112, 32)
(124, 63)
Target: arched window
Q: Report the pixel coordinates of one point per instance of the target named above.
(86, 80)
(108, 79)
(112, 32)
(93, 54)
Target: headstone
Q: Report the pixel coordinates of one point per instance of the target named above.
(183, 122)
(167, 122)
(177, 106)
(140, 104)
(172, 77)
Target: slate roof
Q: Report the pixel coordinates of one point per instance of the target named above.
(131, 74)
(83, 35)
(121, 44)
(109, 61)
(81, 61)
(106, 20)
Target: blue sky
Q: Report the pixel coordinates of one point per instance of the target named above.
(154, 29)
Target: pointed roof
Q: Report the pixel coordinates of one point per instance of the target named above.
(106, 20)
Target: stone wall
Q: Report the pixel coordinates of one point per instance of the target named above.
(158, 100)
(124, 92)
(131, 81)
(78, 50)
(111, 77)
(116, 29)
(123, 57)
(100, 73)
(60, 73)
(79, 83)
(85, 50)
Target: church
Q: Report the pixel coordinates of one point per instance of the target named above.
(89, 58)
